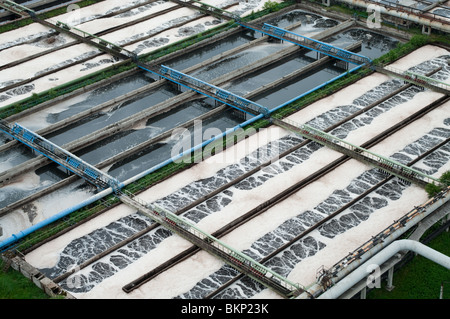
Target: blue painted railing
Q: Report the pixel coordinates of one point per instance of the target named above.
(312, 44)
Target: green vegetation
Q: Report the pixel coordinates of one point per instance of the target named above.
(403, 49)
(13, 285)
(167, 171)
(95, 77)
(432, 189)
(98, 207)
(272, 6)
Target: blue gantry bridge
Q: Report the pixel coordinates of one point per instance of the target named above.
(178, 224)
(62, 157)
(310, 44)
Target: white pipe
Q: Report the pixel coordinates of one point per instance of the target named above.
(430, 21)
(397, 246)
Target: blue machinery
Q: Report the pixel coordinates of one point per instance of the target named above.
(207, 89)
(178, 224)
(319, 136)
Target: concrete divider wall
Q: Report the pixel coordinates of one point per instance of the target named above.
(38, 278)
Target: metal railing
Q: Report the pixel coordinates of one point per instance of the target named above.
(16, 8)
(417, 79)
(381, 161)
(99, 41)
(215, 10)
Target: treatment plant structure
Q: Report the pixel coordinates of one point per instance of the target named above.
(114, 198)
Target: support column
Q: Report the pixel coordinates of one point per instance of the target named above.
(390, 279)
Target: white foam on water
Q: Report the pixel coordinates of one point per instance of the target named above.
(213, 164)
(243, 237)
(420, 55)
(48, 254)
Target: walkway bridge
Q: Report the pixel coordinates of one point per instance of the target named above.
(208, 9)
(253, 108)
(384, 164)
(309, 43)
(16, 8)
(214, 246)
(282, 34)
(175, 223)
(72, 31)
(62, 157)
(321, 47)
(90, 39)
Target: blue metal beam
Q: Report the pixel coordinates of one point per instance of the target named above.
(311, 44)
(208, 89)
(59, 155)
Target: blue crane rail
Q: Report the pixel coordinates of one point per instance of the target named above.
(177, 223)
(166, 218)
(309, 43)
(60, 156)
(383, 163)
(208, 89)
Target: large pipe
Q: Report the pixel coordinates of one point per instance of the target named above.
(420, 18)
(394, 248)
